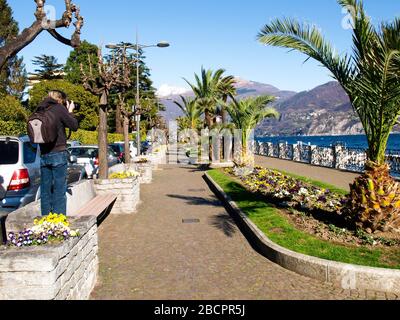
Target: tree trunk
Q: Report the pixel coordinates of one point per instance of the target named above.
(224, 115)
(103, 143)
(374, 201)
(208, 119)
(118, 120)
(126, 140)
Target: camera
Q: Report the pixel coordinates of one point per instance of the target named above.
(77, 105)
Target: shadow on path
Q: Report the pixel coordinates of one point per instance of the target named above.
(197, 201)
(224, 223)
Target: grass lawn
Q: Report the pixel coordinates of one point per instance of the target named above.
(280, 230)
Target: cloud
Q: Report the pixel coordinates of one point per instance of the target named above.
(166, 90)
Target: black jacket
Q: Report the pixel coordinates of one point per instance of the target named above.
(64, 119)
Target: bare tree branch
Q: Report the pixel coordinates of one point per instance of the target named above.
(11, 48)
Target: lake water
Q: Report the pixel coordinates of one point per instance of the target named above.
(356, 141)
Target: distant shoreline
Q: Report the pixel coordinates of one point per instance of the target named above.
(320, 135)
(350, 141)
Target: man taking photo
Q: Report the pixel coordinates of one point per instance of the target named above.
(54, 116)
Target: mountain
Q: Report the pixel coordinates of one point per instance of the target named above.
(324, 110)
(168, 94)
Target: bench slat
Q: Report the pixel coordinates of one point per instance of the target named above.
(97, 205)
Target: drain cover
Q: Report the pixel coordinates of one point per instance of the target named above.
(197, 190)
(187, 221)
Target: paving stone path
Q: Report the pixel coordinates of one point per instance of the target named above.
(152, 255)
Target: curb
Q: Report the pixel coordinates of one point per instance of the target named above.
(346, 276)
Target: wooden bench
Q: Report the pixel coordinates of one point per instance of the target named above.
(99, 206)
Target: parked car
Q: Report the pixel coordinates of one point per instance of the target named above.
(132, 147)
(145, 146)
(73, 144)
(88, 156)
(119, 149)
(20, 173)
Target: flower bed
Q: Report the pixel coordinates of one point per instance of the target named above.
(50, 229)
(300, 232)
(312, 209)
(289, 192)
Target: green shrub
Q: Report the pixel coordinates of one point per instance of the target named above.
(11, 109)
(91, 137)
(12, 128)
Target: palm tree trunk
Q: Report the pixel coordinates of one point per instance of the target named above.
(224, 115)
(208, 119)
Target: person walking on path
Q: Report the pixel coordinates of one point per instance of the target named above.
(54, 156)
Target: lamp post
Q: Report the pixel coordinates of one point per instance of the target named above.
(136, 108)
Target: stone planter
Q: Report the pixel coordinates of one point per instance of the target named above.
(145, 170)
(66, 271)
(193, 160)
(127, 190)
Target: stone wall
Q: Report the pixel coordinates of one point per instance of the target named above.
(66, 271)
(127, 191)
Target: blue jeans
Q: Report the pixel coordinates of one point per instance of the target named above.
(54, 167)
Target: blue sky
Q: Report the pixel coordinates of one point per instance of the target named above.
(209, 33)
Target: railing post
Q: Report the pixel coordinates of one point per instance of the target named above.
(296, 152)
(280, 151)
(314, 154)
(337, 156)
(270, 149)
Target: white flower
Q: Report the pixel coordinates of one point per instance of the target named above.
(303, 192)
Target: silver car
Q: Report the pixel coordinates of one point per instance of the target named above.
(20, 173)
(88, 156)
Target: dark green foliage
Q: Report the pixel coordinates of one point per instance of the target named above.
(48, 68)
(11, 109)
(80, 56)
(91, 137)
(88, 114)
(13, 78)
(12, 128)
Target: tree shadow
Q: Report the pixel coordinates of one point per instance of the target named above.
(200, 168)
(197, 201)
(224, 223)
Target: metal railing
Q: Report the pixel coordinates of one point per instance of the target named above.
(337, 156)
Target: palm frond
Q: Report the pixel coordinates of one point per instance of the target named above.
(291, 34)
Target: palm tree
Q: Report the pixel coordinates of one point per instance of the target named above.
(191, 111)
(207, 92)
(246, 114)
(371, 78)
(227, 90)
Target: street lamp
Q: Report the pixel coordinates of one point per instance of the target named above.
(136, 108)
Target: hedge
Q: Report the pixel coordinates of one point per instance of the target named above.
(12, 128)
(91, 137)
